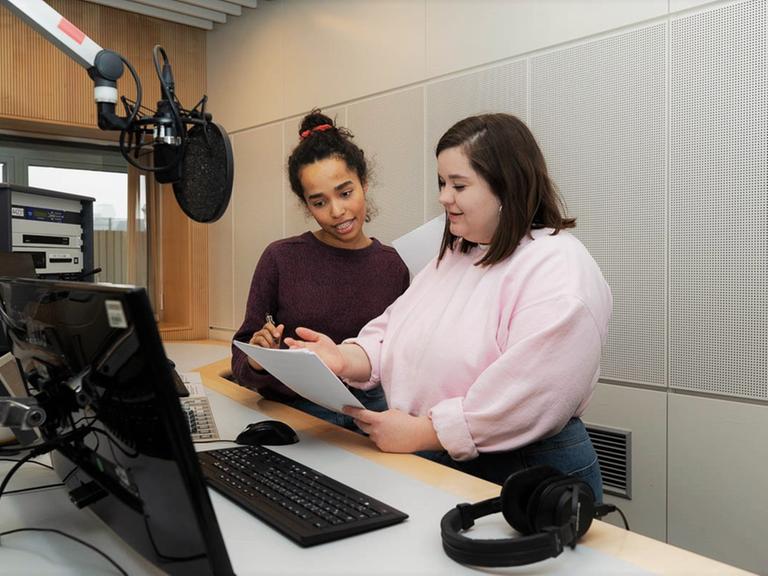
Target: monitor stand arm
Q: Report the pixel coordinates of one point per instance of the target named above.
(20, 412)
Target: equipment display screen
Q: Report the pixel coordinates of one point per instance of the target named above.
(46, 215)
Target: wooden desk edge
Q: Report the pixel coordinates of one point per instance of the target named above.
(645, 552)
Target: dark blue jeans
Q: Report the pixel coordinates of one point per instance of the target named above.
(570, 451)
(372, 399)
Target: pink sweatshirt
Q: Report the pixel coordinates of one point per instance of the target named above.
(499, 356)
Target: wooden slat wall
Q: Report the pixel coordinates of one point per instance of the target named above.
(40, 83)
(43, 90)
(184, 274)
(110, 251)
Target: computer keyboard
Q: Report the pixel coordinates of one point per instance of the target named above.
(202, 426)
(305, 505)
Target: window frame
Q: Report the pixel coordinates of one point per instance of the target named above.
(9, 168)
(21, 153)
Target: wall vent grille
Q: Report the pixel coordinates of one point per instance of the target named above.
(613, 447)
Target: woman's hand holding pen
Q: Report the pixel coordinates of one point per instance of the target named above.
(268, 337)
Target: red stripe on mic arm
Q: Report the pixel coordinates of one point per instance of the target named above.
(71, 30)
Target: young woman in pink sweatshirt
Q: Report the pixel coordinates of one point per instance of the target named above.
(490, 357)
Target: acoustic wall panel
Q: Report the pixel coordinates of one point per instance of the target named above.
(246, 67)
(644, 414)
(680, 5)
(297, 219)
(460, 34)
(498, 89)
(598, 112)
(717, 478)
(221, 271)
(390, 130)
(718, 201)
(257, 203)
(337, 50)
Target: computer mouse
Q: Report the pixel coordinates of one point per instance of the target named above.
(267, 433)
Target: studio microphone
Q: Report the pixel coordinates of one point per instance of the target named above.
(188, 149)
(198, 162)
(169, 132)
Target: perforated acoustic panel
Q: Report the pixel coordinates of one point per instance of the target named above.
(718, 200)
(390, 129)
(499, 89)
(221, 269)
(257, 200)
(598, 112)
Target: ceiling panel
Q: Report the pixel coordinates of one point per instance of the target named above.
(197, 13)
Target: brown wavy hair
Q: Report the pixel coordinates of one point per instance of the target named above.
(503, 151)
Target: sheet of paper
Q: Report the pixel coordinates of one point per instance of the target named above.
(421, 244)
(304, 373)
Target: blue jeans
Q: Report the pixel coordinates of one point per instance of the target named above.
(570, 451)
(372, 399)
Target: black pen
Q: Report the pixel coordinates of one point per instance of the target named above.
(268, 318)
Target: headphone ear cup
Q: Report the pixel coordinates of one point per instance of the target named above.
(553, 505)
(587, 509)
(516, 495)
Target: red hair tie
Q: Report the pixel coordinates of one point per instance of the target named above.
(320, 128)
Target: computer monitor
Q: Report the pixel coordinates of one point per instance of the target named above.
(92, 357)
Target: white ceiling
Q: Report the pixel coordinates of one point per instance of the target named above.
(197, 13)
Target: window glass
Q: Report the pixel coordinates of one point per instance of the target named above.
(110, 212)
(109, 189)
(142, 248)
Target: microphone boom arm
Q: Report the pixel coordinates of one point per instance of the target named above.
(207, 175)
(104, 67)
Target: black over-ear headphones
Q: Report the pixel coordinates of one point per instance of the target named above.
(550, 509)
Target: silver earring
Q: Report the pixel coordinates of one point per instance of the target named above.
(499, 208)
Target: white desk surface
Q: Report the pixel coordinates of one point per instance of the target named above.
(422, 489)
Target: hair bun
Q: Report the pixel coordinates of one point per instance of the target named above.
(313, 120)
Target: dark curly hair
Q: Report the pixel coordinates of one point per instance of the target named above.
(321, 139)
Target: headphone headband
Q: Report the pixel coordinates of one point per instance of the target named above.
(550, 509)
(494, 552)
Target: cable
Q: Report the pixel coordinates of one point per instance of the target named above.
(42, 486)
(38, 450)
(624, 518)
(60, 533)
(137, 81)
(603, 509)
(13, 470)
(113, 442)
(30, 461)
(33, 488)
(75, 469)
(168, 91)
(45, 446)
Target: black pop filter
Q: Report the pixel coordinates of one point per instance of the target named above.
(207, 169)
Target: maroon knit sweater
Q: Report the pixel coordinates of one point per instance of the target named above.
(303, 282)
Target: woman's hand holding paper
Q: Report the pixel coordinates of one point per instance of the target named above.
(348, 361)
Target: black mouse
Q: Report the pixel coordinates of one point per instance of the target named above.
(267, 433)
